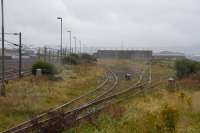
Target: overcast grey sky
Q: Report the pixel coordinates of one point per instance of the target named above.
(156, 24)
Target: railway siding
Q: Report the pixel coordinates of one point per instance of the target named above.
(60, 118)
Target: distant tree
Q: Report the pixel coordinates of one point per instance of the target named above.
(75, 59)
(186, 67)
(87, 58)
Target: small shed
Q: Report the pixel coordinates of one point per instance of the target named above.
(171, 82)
(128, 76)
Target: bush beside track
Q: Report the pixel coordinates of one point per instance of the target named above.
(47, 68)
(186, 67)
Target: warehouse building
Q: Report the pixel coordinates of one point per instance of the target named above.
(167, 55)
(125, 54)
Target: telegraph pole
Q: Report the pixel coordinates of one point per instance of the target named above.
(3, 91)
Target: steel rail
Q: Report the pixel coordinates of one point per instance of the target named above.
(66, 115)
(94, 102)
(60, 107)
(115, 96)
(12, 75)
(74, 110)
(77, 111)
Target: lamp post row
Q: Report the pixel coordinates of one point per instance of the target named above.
(2, 89)
(70, 39)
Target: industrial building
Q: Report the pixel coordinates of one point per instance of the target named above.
(14, 53)
(167, 55)
(125, 54)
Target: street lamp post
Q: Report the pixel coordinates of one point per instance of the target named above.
(61, 20)
(70, 41)
(3, 92)
(80, 45)
(75, 44)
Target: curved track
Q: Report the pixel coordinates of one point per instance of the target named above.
(64, 117)
(106, 86)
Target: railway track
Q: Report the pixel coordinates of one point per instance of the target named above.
(63, 117)
(12, 68)
(108, 84)
(14, 74)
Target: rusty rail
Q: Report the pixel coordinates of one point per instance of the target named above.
(64, 120)
(59, 119)
(45, 116)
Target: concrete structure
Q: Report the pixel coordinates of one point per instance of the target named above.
(125, 54)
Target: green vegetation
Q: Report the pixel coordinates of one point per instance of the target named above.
(33, 95)
(47, 68)
(157, 110)
(169, 118)
(86, 58)
(75, 59)
(71, 59)
(186, 67)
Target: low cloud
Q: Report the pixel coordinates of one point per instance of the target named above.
(139, 23)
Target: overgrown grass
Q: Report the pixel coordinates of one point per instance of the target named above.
(158, 110)
(32, 95)
(146, 115)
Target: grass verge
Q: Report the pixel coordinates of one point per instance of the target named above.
(32, 95)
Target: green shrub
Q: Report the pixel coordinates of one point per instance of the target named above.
(86, 58)
(169, 117)
(47, 68)
(186, 67)
(151, 123)
(75, 59)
